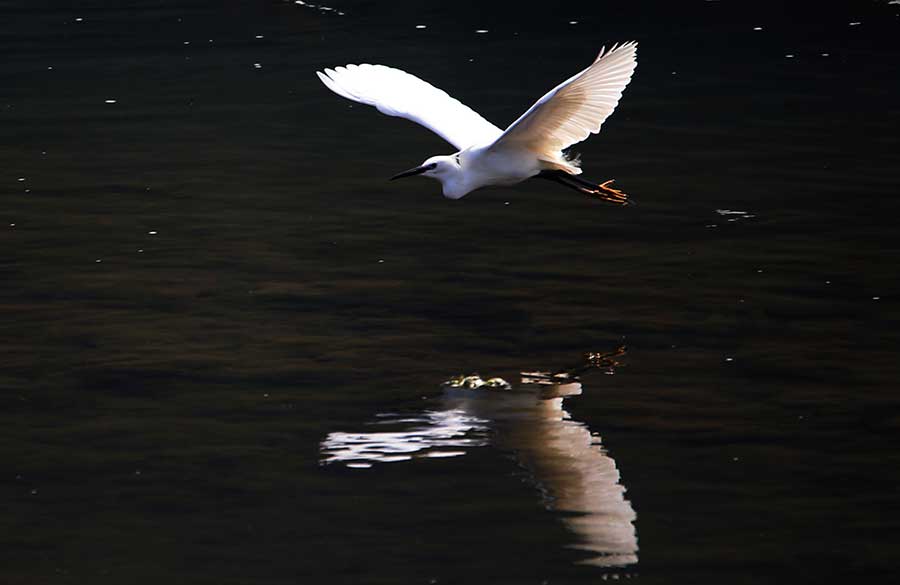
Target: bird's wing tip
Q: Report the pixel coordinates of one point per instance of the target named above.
(616, 47)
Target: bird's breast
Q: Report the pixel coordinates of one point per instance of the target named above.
(455, 189)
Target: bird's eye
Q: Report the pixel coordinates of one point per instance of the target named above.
(430, 167)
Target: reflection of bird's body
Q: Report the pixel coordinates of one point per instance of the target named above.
(532, 146)
(564, 460)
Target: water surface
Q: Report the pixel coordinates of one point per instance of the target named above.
(205, 273)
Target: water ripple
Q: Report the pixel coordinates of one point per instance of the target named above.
(428, 434)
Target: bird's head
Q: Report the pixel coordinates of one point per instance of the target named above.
(437, 167)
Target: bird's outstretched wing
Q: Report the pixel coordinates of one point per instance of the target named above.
(397, 93)
(576, 108)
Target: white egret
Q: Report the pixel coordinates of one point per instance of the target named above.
(532, 146)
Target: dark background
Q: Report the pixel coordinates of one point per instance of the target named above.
(201, 280)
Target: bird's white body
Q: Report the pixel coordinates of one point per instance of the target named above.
(481, 166)
(487, 155)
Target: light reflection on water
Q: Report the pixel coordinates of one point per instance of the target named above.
(319, 7)
(733, 215)
(564, 460)
(429, 434)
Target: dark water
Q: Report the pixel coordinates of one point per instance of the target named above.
(204, 279)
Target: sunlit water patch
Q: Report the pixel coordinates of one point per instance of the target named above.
(733, 215)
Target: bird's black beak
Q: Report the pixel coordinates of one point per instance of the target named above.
(413, 171)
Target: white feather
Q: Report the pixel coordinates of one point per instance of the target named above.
(576, 108)
(397, 93)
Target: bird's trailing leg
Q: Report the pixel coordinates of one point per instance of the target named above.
(602, 191)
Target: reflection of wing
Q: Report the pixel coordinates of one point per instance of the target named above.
(431, 434)
(576, 476)
(566, 462)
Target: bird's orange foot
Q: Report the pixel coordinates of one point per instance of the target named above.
(611, 194)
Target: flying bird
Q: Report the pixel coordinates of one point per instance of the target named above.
(532, 146)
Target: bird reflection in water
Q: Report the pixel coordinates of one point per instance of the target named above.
(565, 461)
